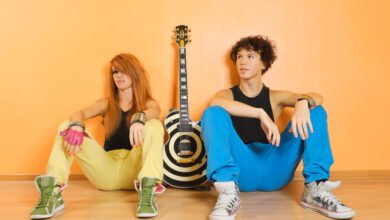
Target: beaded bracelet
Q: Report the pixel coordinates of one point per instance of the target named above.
(77, 123)
(138, 117)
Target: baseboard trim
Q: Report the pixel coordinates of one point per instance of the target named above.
(340, 175)
(30, 177)
(353, 175)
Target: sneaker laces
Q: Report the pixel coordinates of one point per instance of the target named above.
(325, 193)
(43, 200)
(145, 196)
(328, 197)
(226, 201)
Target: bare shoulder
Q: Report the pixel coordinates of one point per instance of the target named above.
(225, 93)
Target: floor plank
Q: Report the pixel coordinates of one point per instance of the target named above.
(370, 198)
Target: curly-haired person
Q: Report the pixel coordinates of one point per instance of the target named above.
(245, 150)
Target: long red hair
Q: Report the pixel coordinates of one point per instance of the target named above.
(129, 65)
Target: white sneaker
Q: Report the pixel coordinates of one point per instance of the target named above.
(320, 198)
(228, 201)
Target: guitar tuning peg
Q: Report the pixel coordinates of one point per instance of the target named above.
(190, 40)
(189, 30)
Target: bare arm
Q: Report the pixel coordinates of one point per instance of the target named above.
(73, 138)
(136, 132)
(224, 98)
(300, 122)
(152, 109)
(99, 107)
(285, 98)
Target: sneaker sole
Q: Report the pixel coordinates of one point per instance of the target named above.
(59, 208)
(231, 217)
(335, 215)
(147, 215)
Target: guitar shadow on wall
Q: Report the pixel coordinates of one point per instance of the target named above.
(175, 78)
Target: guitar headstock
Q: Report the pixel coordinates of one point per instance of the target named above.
(182, 35)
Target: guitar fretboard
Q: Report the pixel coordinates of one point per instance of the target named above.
(184, 118)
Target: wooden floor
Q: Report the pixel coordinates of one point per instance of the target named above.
(370, 198)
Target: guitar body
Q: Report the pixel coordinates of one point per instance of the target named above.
(191, 172)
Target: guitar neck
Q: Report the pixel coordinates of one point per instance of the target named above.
(183, 87)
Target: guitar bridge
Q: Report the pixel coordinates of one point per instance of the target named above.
(185, 160)
(185, 153)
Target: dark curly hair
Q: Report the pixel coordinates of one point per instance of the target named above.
(259, 44)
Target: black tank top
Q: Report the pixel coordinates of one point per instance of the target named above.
(249, 129)
(120, 138)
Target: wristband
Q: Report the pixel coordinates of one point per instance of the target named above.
(77, 123)
(138, 117)
(310, 101)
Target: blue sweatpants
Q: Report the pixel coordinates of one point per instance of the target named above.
(259, 166)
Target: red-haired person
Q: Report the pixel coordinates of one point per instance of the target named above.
(132, 154)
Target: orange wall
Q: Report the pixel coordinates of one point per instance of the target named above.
(53, 55)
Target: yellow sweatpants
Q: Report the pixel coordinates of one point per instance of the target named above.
(112, 170)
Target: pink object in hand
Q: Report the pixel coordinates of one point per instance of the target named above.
(73, 137)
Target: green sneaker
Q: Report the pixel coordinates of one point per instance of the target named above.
(147, 206)
(50, 202)
(60, 202)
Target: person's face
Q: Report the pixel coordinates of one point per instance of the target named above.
(248, 64)
(122, 80)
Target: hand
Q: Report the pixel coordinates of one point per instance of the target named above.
(301, 119)
(270, 129)
(136, 134)
(73, 139)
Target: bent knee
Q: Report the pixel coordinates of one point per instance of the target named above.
(154, 125)
(319, 111)
(63, 125)
(213, 111)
